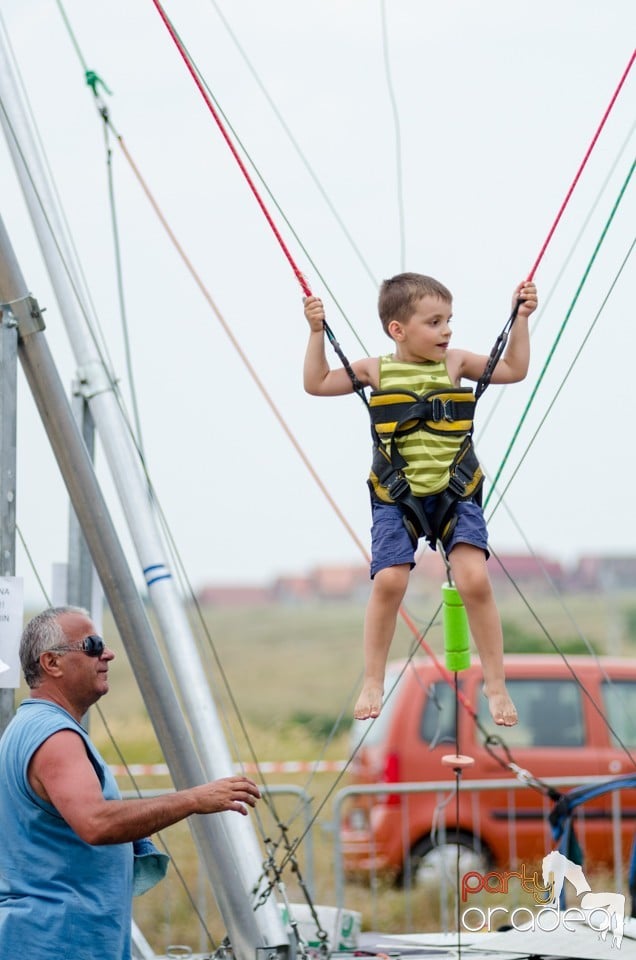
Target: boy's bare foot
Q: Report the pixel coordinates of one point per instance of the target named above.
(502, 709)
(369, 702)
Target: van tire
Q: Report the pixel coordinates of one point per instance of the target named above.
(428, 858)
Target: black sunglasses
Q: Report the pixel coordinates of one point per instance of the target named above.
(92, 646)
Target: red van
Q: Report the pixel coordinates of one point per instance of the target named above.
(567, 712)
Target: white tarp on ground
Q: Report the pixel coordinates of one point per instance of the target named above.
(581, 944)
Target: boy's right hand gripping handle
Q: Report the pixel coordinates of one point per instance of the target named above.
(456, 633)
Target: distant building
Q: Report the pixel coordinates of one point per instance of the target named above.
(340, 583)
(234, 595)
(351, 582)
(429, 564)
(532, 571)
(293, 590)
(605, 573)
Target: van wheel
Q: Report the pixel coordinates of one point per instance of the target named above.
(430, 862)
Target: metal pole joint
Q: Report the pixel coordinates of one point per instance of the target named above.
(92, 379)
(25, 314)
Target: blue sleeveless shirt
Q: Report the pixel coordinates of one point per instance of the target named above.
(59, 896)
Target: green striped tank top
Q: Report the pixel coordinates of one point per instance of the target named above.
(428, 455)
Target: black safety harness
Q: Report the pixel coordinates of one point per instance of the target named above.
(442, 411)
(448, 411)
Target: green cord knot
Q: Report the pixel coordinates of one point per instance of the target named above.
(93, 80)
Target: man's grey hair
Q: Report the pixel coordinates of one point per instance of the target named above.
(43, 632)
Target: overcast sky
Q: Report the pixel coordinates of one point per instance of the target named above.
(445, 136)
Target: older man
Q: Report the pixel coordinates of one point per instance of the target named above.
(66, 854)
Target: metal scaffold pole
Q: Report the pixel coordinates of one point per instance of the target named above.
(98, 388)
(124, 600)
(8, 417)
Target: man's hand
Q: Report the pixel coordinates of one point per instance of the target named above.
(230, 793)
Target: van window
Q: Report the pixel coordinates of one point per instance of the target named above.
(550, 714)
(619, 699)
(437, 723)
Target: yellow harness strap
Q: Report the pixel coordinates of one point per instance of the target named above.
(441, 411)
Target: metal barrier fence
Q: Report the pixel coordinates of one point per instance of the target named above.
(272, 790)
(141, 948)
(443, 788)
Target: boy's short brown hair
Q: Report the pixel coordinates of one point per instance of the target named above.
(399, 295)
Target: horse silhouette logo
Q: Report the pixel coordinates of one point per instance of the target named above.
(609, 906)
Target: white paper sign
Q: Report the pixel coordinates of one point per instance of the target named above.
(11, 621)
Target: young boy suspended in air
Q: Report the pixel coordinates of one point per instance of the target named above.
(416, 312)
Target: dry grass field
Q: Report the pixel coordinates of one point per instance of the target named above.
(293, 673)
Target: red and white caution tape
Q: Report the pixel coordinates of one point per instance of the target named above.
(267, 766)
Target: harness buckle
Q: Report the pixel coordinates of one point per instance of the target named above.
(442, 409)
(456, 485)
(397, 486)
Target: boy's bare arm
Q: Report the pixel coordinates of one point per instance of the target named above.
(513, 366)
(318, 378)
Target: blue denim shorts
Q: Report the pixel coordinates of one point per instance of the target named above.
(391, 544)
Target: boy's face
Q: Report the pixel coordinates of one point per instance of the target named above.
(426, 334)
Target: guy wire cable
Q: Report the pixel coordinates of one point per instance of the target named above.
(226, 327)
(107, 369)
(582, 166)
(25, 99)
(553, 587)
(552, 230)
(580, 287)
(93, 328)
(560, 332)
(216, 114)
(123, 313)
(105, 117)
(545, 245)
(502, 494)
(547, 299)
(252, 186)
(560, 212)
(299, 276)
(581, 685)
(296, 270)
(397, 136)
(300, 153)
(533, 438)
(412, 626)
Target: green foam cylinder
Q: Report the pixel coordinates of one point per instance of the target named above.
(456, 633)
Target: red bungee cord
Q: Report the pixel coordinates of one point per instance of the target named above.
(195, 76)
(297, 272)
(581, 168)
